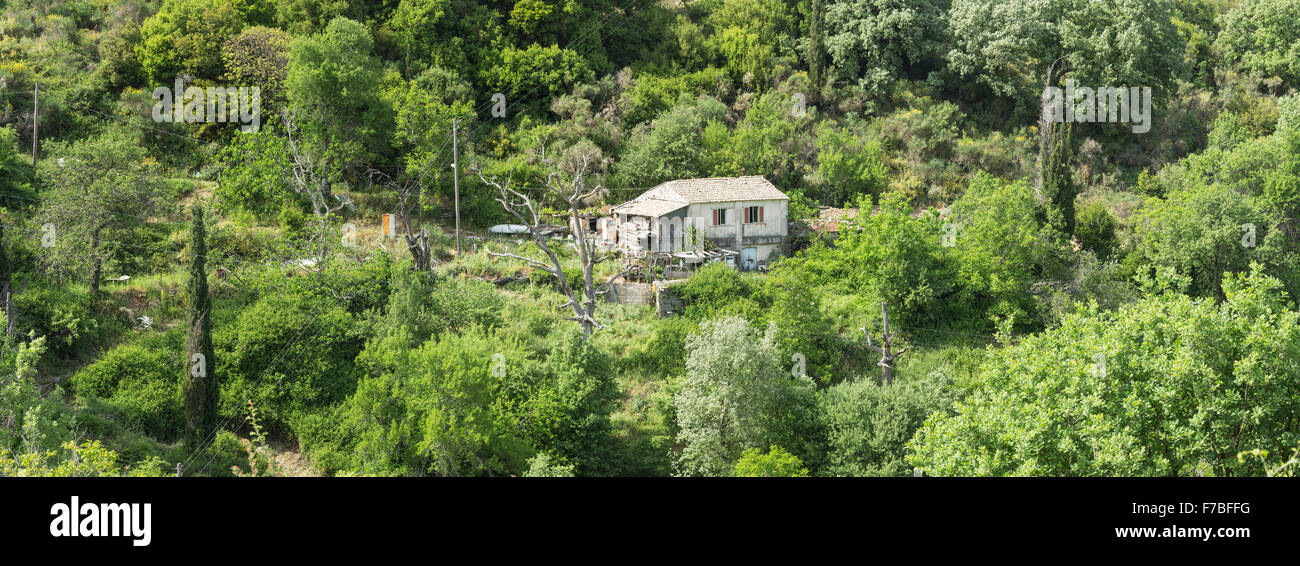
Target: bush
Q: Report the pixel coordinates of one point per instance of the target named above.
(141, 385)
(716, 290)
(1096, 230)
(665, 351)
(287, 353)
(776, 463)
(868, 425)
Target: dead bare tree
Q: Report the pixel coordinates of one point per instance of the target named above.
(408, 198)
(309, 175)
(886, 348)
(572, 190)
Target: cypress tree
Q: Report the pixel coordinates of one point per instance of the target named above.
(200, 381)
(816, 51)
(1059, 190)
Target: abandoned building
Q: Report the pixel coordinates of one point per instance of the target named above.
(741, 219)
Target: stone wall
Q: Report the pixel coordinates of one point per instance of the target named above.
(631, 294)
(667, 303)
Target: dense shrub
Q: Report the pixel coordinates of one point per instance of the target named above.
(868, 425)
(1170, 385)
(288, 354)
(1095, 230)
(141, 383)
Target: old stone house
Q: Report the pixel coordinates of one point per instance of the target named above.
(744, 215)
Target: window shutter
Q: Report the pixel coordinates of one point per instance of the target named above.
(715, 217)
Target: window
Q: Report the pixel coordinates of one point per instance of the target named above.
(753, 214)
(719, 216)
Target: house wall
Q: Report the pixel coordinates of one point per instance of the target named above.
(640, 233)
(766, 236)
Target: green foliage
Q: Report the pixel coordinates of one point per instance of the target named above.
(289, 354)
(88, 459)
(1001, 250)
(333, 87)
(804, 332)
(665, 350)
(1204, 226)
(535, 73)
(868, 425)
(876, 42)
(1008, 46)
(1096, 230)
(1263, 37)
(889, 256)
(747, 34)
(1166, 386)
(201, 384)
(428, 308)
(847, 167)
(1058, 189)
(669, 148)
(737, 395)
(15, 173)
(762, 143)
(186, 36)
(716, 290)
(141, 384)
(775, 463)
(564, 402)
(102, 186)
(544, 466)
(259, 57)
(434, 408)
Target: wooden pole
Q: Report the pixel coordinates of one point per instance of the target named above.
(455, 175)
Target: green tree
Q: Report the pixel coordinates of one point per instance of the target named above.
(848, 166)
(815, 46)
(259, 56)
(748, 34)
(414, 25)
(334, 97)
(1008, 46)
(670, 147)
(876, 42)
(1058, 189)
(201, 388)
(1263, 37)
(1096, 230)
(1170, 385)
(775, 463)
(737, 395)
(1000, 249)
(434, 409)
(186, 36)
(99, 189)
(868, 425)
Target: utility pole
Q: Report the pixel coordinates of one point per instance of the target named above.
(887, 355)
(455, 176)
(36, 119)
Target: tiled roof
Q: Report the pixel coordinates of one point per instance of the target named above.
(648, 207)
(724, 189)
(829, 218)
